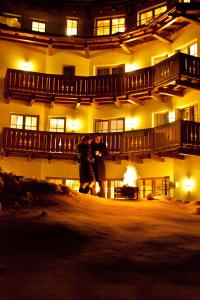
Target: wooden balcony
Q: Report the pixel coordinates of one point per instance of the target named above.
(178, 71)
(171, 140)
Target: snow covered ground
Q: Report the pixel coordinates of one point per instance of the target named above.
(90, 248)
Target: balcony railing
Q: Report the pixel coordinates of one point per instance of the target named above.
(174, 137)
(48, 87)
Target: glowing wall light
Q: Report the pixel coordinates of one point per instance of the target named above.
(73, 125)
(132, 123)
(26, 66)
(188, 184)
(172, 116)
(131, 67)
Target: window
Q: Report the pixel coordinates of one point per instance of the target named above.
(57, 124)
(101, 126)
(190, 49)
(184, 1)
(10, 20)
(69, 70)
(114, 125)
(38, 26)
(113, 185)
(72, 27)
(117, 125)
(156, 186)
(190, 113)
(145, 16)
(161, 118)
(110, 70)
(118, 25)
(110, 26)
(24, 122)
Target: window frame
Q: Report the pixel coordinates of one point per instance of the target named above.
(72, 19)
(109, 124)
(109, 18)
(155, 114)
(39, 21)
(152, 9)
(57, 118)
(110, 69)
(190, 107)
(24, 121)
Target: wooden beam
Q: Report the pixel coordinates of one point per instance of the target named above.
(167, 24)
(118, 103)
(126, 49)
(156, 96)
(170, 92)
(161, 38)
(135, 158)
(32, 100)
(78, 103)
(133, 100)
(94, 104)
(190, 19)
(52, 104)
(157, 157)
(188, 84)
(87, 51)
(50, 47)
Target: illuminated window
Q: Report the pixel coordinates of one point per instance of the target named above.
(160, 10)
(113, 185)
(190, 49)
(103, 27)
(156, 186)
(190, 113)
(72, 183)
(117, 125)
(110, 26)
(114, 125)
(146, 16)
(101, 126)
(110, 70)
(38, 26)
(24, 122)
(72, 27)
(57, 124)
(184, 1)
(161, 118)
(118, 25)
(10, 20)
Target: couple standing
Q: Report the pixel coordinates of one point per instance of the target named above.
(92, 152)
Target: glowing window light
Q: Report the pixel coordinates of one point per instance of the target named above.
(72, 27)
(188, 184)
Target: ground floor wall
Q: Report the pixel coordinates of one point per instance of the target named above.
(181, 176)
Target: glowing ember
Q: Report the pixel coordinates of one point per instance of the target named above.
(130, 177)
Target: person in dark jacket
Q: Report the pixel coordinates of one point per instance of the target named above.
(99, 151)
(86, 160)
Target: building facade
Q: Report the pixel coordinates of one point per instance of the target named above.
(129, 71)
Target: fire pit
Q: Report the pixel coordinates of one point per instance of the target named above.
(129, 192)
(129, 188)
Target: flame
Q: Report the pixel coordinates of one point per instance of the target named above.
(130, 176)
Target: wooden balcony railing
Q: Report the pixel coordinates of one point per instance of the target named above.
(45, 87)
(170, 138)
